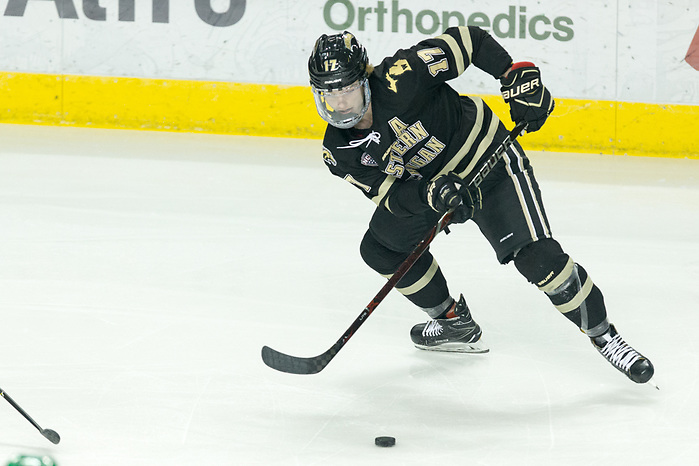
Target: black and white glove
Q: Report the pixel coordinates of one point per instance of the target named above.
(450, 191)
(529, 99)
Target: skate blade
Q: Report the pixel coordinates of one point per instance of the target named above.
(477, 347)
(652, 384)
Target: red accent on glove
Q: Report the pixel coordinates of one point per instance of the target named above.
(522, 64)
(693, 53)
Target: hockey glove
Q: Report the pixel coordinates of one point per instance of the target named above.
(450, 191)
(529, 99)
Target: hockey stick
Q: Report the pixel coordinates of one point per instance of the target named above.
(51, 435)
(296, 365)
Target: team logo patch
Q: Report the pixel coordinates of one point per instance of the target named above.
(398, 68)
(368, 161)
(328, 157)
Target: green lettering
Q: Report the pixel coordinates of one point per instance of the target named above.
(396, 12)
(447, 15)
(380, 10)
(362, 16)
(480, 20)
(94, 11)
(509, 19)
(435, 22)
(349, 12)
(66, 9)
(532, 27)
(341, 14)
(224, 19)
(127, 10)
(562, 24)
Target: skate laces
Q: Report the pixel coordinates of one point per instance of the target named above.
(619, 353)
(432, 329)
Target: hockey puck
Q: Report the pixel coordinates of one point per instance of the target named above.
(385, 441)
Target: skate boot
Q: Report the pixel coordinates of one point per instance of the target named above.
(459, 334)
(626, 359)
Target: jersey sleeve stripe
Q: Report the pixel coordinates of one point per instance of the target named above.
(456, 52)
(463, 151)
(467, 42)
(383, 190)
(483, 146)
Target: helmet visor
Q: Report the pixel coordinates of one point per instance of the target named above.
(344, 107)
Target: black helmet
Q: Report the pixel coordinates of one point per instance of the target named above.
(337, 61)
(338, 72)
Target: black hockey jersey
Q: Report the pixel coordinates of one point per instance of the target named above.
(421, 126)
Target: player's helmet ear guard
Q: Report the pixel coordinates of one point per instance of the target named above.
(338, 67)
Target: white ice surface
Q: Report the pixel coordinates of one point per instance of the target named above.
(142, 272)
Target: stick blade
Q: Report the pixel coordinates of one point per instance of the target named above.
(293, 365)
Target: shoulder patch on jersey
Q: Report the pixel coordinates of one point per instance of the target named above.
(328, 157)
(368, 161)
(398, 68)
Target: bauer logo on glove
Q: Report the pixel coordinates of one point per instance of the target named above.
(529, 99)
(530, 86)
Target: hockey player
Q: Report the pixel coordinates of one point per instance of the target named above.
(407, 140)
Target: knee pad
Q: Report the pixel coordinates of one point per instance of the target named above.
(424, 284)
(542, 261)
(379, 257)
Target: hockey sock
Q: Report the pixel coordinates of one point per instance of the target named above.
(578, 299)
(424, 285)
(565, 283)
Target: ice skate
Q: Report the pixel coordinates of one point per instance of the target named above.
(622, 356)
(459, 334)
